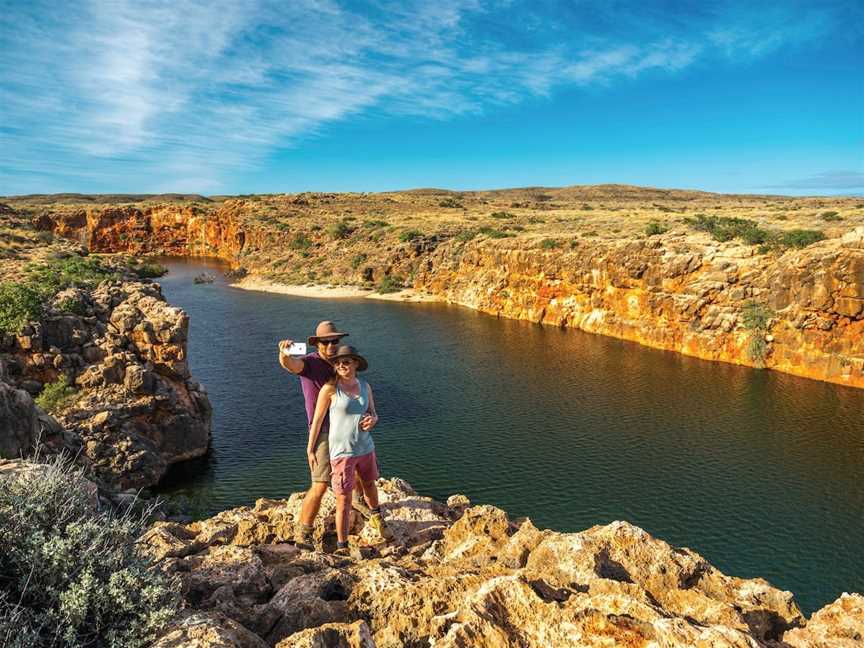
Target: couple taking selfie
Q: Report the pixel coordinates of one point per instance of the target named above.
(340, 410)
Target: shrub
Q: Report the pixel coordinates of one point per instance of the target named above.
(830, 216)
(800, 238)
(300, 242)
(466, 235)
(371, 224)
(495, 234)
(70, 576)
(754, 318)
(150, 270)
(450, 203)
(724, 228)
(654, 228)
(501, 214)
(550, 243)
(19, 304)
(409, 235)
(357, 260)
(55, 396)
(590, 233)
(81, 272)
(72, 306)
(340, 230)
(390, 284)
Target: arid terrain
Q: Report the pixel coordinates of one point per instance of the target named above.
(766, 281)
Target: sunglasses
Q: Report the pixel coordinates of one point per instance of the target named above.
(344, 361)
(332, 341)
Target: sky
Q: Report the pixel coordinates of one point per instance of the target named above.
(253, 96)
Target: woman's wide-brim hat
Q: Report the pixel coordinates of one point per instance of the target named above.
(325, 329)
(348, 351)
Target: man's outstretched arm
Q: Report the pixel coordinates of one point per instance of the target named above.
(289, 363)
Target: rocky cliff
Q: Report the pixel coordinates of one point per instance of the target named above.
(677, 289)
(131, 407)
(458, 575)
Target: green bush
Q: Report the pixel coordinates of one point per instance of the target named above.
(410, 235)
(19, 304)
(800, 238)
(491, 232)
(502, 214)
(466, 235)
(654, 228)
(340, 230)
(550, 243)
(755, 318)
(357, 260)
(371, 224)
(450, 203)
(72, 306)
(71, 576)
(724, 228)
(55, 396)
(390, 284)
(150, 270)
(830, 216)
(300, 242)
(74, 271)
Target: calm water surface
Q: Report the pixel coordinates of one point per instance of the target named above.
(758, 471)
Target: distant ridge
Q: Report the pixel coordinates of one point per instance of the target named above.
(101, 199)
(539, 193)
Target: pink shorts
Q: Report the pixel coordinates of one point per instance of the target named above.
(345, 468)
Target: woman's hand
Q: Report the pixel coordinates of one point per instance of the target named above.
(368, 422)
(312, 459)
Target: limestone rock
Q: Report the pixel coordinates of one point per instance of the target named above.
(137, 410)
(331, 635)
(838, 625)
(479, 580)
(209, 631)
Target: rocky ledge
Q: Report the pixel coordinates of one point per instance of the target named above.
(458, 575)
(132, 407)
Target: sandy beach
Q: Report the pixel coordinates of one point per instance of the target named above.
(330, 292)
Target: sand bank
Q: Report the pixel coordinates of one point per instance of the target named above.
(330, 292)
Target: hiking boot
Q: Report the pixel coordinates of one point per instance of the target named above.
(360, 506)
(342, 552)
(380, 527)
(303, 538)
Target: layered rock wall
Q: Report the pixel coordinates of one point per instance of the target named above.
(680, 293)
(680, 296)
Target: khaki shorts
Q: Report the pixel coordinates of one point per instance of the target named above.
(322, 473)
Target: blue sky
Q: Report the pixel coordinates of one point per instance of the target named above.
(243, 97)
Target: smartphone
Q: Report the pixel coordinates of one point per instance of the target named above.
(296, 349)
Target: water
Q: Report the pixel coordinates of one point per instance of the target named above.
(760, 472)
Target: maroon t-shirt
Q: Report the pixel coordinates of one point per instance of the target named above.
(316, 373)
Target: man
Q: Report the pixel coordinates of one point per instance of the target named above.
(314, 371)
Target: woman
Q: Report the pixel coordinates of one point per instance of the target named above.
(351, 406)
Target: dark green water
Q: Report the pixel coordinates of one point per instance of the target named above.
(758, 471)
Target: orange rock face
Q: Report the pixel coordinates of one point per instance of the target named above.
(683, 293)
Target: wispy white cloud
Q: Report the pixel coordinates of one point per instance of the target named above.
(180, 93)
(827, 180)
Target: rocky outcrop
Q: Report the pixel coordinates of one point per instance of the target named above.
(460, 576)
(681, 294)
(135, 407)
(679, 291)
(23, 425)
